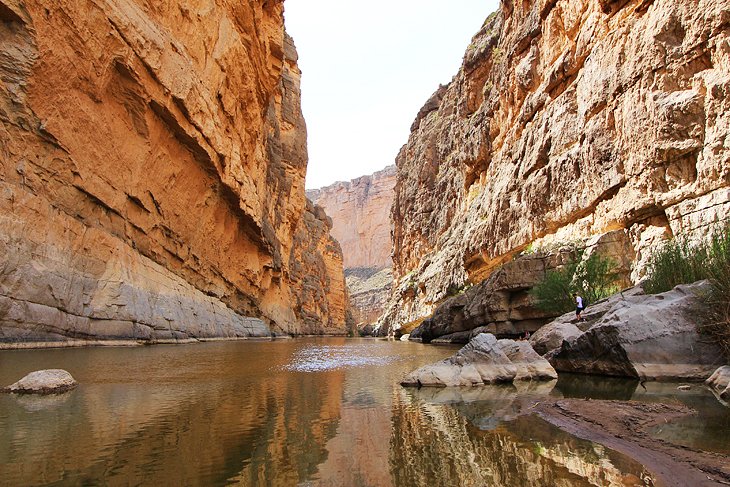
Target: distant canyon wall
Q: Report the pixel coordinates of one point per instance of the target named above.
(152, 163)
(360, 212)
(569, 120)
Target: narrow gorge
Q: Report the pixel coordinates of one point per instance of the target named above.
(153, 160)
(360, 212)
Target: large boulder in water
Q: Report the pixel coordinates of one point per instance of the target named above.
(529, 364)
(51, 381)
(652, 337)
(720, 382)
(484, 360)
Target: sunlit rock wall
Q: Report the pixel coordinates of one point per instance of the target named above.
(568, 119)
(152, 162)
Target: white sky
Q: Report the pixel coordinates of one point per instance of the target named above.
(368, 67)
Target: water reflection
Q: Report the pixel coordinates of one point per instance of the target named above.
(481, 437)
(326, 412)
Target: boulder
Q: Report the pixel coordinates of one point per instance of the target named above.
(51, 381)
(530, 365)
(648, 337)
(551, 336)
(481, 361)
(484, 360)
(720, 382)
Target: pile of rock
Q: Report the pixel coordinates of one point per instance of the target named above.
(484, 360)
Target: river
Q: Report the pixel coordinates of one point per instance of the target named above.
(310, 412)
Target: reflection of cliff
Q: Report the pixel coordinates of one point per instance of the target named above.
(193, 430)
(526, 452)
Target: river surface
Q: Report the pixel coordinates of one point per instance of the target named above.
(309, 412)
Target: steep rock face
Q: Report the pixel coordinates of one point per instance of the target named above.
(152, 167)
(360, 212)
(568, 120)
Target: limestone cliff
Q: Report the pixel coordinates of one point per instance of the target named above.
(152, 161)
(360, 211)
(568, 120)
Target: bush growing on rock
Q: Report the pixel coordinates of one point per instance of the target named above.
(594, 278)
(681, 261)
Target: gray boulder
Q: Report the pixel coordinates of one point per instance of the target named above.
(51, 381)
(551, 336)
(547, 340)
(719, 382)
(651, 337)
(484, 360)
(530, 365)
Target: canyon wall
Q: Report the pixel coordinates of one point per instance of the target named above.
(360, 211)
(569, 120)
(152, 163)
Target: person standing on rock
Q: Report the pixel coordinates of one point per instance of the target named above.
(578, 306)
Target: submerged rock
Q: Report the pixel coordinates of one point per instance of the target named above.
(649, 337)
(720, 382)
(484, 360)
(51, 381)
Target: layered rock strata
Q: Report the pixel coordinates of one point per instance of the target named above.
(360, 212)
(152, 164)
(567, 120)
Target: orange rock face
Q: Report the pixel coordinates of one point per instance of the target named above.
(152, 175)
(569, 120)
(360, 212)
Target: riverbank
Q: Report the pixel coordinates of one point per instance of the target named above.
(131, 343)
(625, 426)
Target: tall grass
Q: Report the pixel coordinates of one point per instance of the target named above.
(680, 261)
(594, 278)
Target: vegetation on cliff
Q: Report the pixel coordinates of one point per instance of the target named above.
(594, 278)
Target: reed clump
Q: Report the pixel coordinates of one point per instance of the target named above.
(682, 261)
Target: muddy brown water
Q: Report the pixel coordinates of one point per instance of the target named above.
(305, 412)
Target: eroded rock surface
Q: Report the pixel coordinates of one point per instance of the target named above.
(152, 162)
(653, 337)
(500, 305)
(484, 360)
(568, 120)
(360, 212)
(51, 381)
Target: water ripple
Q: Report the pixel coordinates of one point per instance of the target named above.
(323, 358)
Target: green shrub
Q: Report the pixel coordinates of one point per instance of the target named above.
(676, 262)
(594, 278)
(680, 261)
